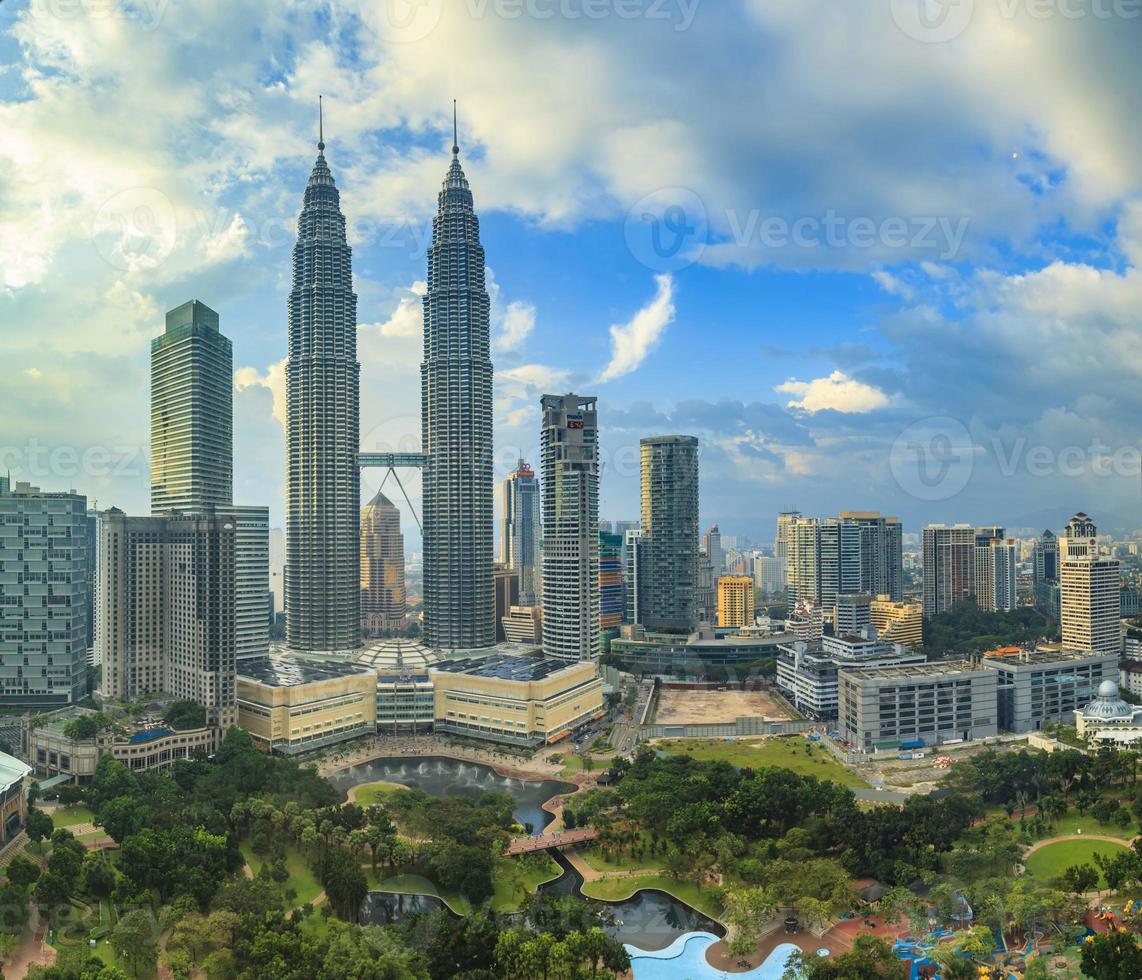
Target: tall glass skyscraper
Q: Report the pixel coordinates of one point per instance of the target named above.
(456, 426)
(668, 578)
(322, 587)
(519, 533)
(192, 413)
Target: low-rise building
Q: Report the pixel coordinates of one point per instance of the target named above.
(808, 675)
(516, 700)
(1037, 686)
(703, 652)
(1130, 673)
(898, 622)
(291, 704)
(54, 748)
(13, 796)
(931, 703)
(1108, 719)
(406, 704)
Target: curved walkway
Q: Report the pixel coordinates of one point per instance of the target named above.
(1124, 841)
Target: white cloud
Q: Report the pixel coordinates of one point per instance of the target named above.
(34, 373)
(274, 380)
(837, 392)
(632, 341)
(407, 320)
(536, 377)
(515, 327)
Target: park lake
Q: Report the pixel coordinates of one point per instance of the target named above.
(650, 919)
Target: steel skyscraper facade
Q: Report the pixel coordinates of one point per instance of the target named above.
(519, 533)
(456, 427)
(668, 579)
(322, 587)
(192, 413)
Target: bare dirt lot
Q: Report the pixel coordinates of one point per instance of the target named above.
(715, 707)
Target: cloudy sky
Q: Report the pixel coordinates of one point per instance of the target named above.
(877, 255)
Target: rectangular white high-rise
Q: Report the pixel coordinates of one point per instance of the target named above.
(570, 490)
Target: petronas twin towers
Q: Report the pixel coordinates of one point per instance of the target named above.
(323, 429)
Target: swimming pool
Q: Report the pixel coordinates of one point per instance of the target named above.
(685, 959)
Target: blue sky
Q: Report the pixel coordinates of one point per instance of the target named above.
(873, 261)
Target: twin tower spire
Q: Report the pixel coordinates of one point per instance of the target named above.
(322, 587)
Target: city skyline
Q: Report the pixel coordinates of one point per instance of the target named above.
(913, 335)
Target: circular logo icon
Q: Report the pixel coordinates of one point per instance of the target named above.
(932, 21)
(136, 229)
(932, 459)
(403, 21)
(667, 230)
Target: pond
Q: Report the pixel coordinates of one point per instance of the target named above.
(385, 908)
(649, 920)
(451, 777)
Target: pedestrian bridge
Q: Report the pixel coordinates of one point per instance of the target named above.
(528, 845)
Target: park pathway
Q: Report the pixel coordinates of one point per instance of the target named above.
(1126, 842)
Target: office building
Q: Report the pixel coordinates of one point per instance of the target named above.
(898, 622)
(996, 559)
(881, 552)
(383, 596)
(456, 427)
(632, 561)
(769, 574)
(523, 624)
(166, 610)
(857, 552)
(525, 701)
(251, 578)
(610, 587)
(668, 577)
(505, 583)
(192, 413)
(520, 531)
(44, 596)
(1089, 591)
(852, 613)
(1045, 574)
(917, 704)
(808, 674)
(570, 490)
(735, 601)
(712, 549)
(949, 566)
(706, 594)
(1041, 686)
(291, 705)
(322, 576)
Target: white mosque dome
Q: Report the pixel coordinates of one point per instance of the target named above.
(1108, 706)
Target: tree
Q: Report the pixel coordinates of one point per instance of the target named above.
(1081, 878)
(38, 825)
(22, 871)
(134, 939)
(1113, 956)
(345, 884)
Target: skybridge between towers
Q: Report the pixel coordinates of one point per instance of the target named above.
(391, 462)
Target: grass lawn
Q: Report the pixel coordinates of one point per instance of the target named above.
(369, 794)
(301, 879)
(415, 884)
(1051, 861)
(625, 861)
(507, 896)
(573, 763)
(1072, 823)
(794, 752)
(70, 816)
(620, 889)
